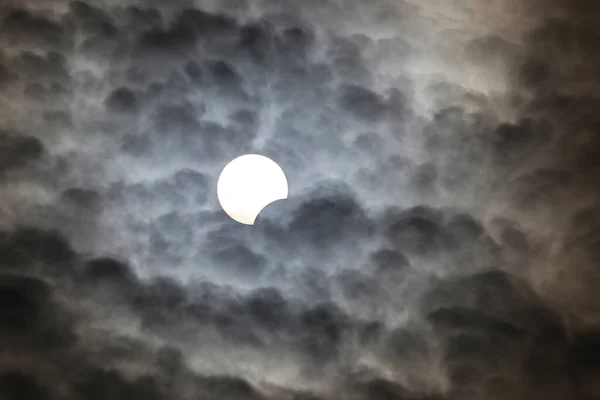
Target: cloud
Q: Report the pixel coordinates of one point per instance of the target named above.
(122, 100)
(440, 236)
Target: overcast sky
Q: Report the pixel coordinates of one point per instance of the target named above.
(440, 240)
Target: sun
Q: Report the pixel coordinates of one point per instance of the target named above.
(248, 184)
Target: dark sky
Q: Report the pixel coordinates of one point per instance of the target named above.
(440, 241)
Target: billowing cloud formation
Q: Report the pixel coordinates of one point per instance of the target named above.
(440, 240)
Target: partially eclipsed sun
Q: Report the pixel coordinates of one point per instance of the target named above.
(248, 184)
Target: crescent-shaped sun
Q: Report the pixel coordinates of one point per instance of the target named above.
(248, 184)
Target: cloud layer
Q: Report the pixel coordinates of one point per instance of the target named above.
(439, 241)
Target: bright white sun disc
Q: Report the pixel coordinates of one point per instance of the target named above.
(248, 184)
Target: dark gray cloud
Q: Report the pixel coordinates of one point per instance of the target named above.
(439, 242)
